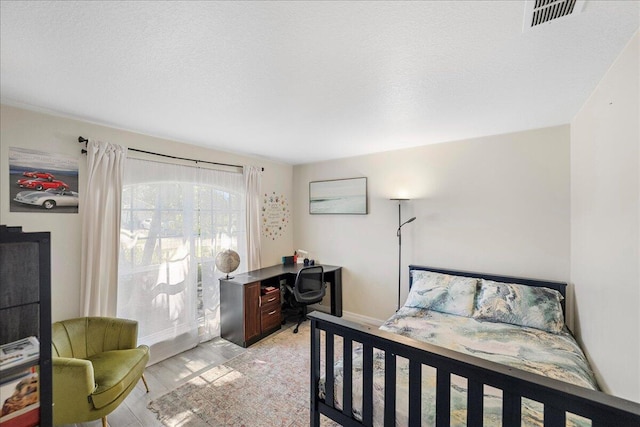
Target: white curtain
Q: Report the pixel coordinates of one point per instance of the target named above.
(222, 225)
(252, 182)
(175, 220)
(101, 228)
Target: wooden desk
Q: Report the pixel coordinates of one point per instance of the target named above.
(247, 316)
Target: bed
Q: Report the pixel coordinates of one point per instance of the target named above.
(466, 349)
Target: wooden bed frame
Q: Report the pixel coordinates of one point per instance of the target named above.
(557, 396)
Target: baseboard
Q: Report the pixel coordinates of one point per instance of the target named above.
(359, 318)
(347, 315)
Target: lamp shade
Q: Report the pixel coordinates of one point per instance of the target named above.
(227, 261)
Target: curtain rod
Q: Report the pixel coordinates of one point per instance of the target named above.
(85, 140)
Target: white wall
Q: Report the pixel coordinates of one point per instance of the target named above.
(54, 134)
(497, 204)
(605, 225)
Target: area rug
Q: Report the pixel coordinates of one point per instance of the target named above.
(267, 385)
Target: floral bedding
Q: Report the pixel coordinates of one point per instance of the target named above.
(555, 355)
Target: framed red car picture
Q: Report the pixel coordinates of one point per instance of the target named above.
(42, 182)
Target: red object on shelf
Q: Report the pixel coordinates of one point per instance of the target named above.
(21, 391)
(30, 418)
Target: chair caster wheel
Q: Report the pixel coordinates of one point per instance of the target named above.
(295, 331)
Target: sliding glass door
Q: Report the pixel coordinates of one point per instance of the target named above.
(175, 219)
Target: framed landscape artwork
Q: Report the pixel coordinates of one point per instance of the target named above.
(338, 196)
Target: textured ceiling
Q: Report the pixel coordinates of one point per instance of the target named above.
(306, 81)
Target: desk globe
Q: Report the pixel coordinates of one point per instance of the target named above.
(227, 261)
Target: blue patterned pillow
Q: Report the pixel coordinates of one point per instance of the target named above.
(521, 305)
(442, 292)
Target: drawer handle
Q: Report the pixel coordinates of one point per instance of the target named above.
(271, 299)
(272, 312)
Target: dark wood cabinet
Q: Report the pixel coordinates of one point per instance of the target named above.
(246, 315)
(270, 311)
(251, 311)
(25, 305)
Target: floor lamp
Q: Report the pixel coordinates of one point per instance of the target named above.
(399, 234)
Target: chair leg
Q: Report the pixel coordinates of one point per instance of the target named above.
(144, 380)
(300, 320)
(303, 317)
(104, 422)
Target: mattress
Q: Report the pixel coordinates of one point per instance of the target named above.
(555, 355)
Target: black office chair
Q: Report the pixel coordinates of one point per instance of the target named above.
(309, 288)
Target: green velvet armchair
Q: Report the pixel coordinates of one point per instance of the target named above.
(96, 364)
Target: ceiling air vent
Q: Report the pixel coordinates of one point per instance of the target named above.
(537, 12)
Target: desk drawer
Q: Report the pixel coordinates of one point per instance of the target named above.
(269, 298)
(270, 315)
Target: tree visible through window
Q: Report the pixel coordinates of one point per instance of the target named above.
(175, 219)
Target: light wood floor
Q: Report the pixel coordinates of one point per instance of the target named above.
(164, 377)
